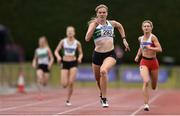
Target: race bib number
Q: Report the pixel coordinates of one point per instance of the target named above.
(107, 33)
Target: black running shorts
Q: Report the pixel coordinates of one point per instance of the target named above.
(98, 58)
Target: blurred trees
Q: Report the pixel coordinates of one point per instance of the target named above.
(29, 19)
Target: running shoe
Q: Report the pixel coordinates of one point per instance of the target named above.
(68, 103)
(146, 107)
(104, 103)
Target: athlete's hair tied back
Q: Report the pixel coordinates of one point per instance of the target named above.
(101, 6)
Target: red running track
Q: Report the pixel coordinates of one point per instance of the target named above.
(86, 102)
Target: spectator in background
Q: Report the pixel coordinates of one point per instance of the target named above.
(14, 53)
(119, 57)
(9, 50)
(3, 42)
(119, 54)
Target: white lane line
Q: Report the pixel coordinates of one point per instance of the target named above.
(74, 109)
(90, 104)
(26, 105)
(21, 98)
(151, 100)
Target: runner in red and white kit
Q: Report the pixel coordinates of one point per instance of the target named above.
(149, 66)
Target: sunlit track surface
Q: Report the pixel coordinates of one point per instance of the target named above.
(86, 102)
